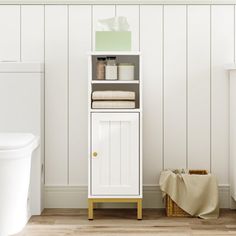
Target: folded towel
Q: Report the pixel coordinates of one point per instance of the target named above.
(113, 95)
(113, 104)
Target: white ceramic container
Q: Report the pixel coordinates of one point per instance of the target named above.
(126, 71)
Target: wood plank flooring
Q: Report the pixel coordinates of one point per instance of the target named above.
(122, 222)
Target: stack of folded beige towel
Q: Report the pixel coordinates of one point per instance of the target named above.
(113, 99)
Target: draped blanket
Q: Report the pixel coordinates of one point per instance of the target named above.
(195, 194)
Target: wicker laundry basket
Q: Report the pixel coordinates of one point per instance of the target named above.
(172, 209)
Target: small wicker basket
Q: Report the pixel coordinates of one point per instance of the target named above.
(172, 209)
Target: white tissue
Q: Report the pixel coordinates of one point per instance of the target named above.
(119, 23)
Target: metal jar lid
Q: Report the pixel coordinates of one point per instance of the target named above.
(101, 58)
(111, 58)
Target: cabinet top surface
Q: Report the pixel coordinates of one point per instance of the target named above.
(129, 53)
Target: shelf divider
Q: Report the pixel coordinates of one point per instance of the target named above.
(115, 82)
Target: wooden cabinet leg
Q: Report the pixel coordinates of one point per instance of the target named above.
(90, 209)
(139, 209)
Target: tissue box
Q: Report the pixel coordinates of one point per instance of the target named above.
(113, 41)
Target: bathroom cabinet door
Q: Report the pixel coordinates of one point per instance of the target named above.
(115, 154)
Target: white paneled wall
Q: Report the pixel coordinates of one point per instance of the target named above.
(79, 45)
(10, 23)
(175, 83)
(32, 33)
(152, 91)
(56, 95)
(184, 49)
(198, 89)
(222, 33)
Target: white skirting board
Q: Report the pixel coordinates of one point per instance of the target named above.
(76, 197)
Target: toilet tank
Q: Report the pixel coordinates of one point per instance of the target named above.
(22, 110)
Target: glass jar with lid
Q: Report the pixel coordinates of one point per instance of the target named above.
(100, 68)
(111, 68)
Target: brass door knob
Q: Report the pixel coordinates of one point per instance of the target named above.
(95, 154)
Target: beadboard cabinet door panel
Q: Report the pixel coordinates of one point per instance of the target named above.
(10, 33)
(32, 33)
(79, 46)
(101, 12)
(115, 169)
(199, 89)
(152, 90)
(56, 96)
(222, 53)
(174, 86)
(131, 12)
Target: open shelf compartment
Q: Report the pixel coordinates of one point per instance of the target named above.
(115, 85)
(134, 59)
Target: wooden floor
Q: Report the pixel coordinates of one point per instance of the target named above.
(108, 222)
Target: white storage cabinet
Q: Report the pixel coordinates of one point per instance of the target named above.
(115, 140)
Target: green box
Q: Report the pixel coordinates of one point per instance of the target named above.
(113, 41)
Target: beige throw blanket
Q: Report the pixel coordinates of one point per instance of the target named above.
(196, 194)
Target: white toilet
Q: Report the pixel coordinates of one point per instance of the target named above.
(15, 164)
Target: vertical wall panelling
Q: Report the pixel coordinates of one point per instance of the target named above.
(79, 46)
(101, 12)
(32, 49)
(10, 32)
(234, 34)
(175, 86)
(222, 53)
(56, 110)
(151, 26)
(32, 33)
(199, 87)
(132, 14)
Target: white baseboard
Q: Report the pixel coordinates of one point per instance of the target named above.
(76, 197)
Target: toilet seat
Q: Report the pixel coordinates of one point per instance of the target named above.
(12, 145)
(14, 140)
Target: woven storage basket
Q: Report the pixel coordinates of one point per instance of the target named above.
(172, 209)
